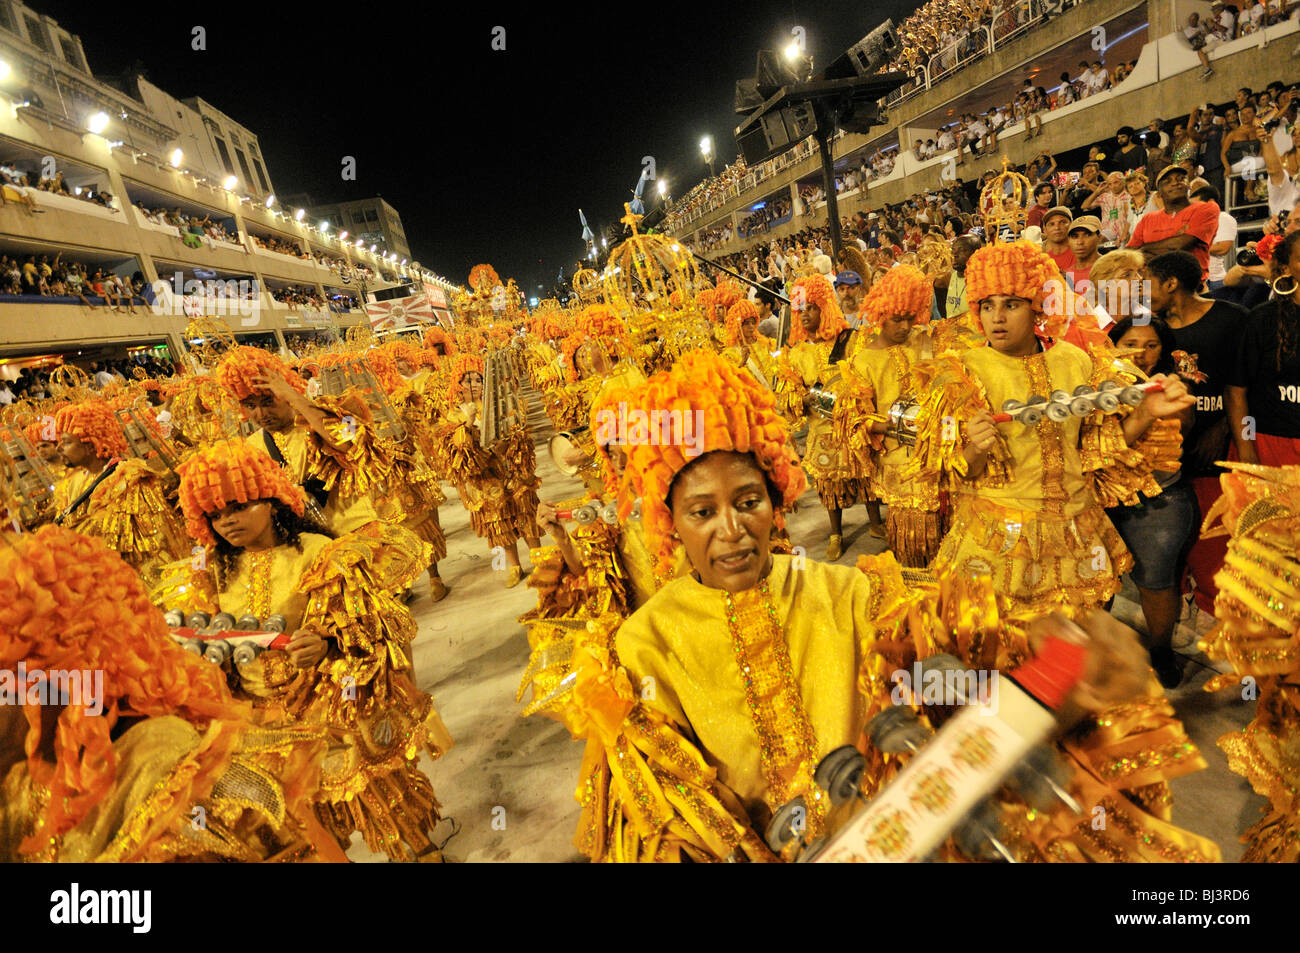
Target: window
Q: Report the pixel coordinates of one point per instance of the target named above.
(243, 164)
(7, 18)
(261, 175)
(225, 155)
(371, 216)
(70, 53)
(36, 33)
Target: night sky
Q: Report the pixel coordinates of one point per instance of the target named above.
(486, 155)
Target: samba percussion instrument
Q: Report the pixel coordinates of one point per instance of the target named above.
(948, 785)
(564, 444)
(221, 638)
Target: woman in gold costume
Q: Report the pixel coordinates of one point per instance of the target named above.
(745, 346)
(497, 484)
(819, 340)
(128, 508)
(347, 665)
(154, 761)
(1258, 608)
(1028, 500)
(711, 707)
(897, 314)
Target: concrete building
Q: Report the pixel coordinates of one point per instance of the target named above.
(372, 220)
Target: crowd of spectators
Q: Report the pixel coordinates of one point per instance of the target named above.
(188, 225)
(777, 209)
(42, 276)
(18, 181)
(1116, 183)
(33, 383)
(298, 297)
(280, 245)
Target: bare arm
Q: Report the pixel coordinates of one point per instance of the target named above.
(1234, 399)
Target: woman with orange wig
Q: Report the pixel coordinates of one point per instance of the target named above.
(819, 340)
(347, 664)
(148, 739)
(712, 707)
(896, 313)
(745, 346)
(123, 503)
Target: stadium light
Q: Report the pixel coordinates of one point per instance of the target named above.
(706, 147)
(270, 200)
(663, 188)
(4, 70)
(177, 155)
(98, 122)
(324, 226)
(792, 51)
(343, 236)
(229, 182)
(297, 216)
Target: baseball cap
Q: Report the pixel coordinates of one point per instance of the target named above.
(848, 278)
(1090, 222)
(1169, 170)
(1057, 210)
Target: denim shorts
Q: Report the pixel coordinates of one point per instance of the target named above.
(1158, 532)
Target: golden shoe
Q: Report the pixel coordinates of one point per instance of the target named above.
(513, 576)
(835, 548)
(437, 588)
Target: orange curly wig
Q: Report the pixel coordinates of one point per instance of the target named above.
(402, 349)
(607, 401)
(238, 368)
(436, 335)
(705, 302)
(92, 421)
(68, 603)
(726, 294)
(903, 289)
(1018, 269)
(228, 472)
(35, 434)
(737, 315)
(816, 289)
(464, 364)
(739, 414)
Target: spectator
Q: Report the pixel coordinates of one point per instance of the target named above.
(1130, 155)
(1202, 41)
(1225, 237)
(1112, 204)
(1056, 226)
(1084, 237)
(1179, 225)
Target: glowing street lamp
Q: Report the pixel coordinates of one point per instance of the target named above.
(98, 122)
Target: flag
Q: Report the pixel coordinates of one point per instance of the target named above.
(399, 312)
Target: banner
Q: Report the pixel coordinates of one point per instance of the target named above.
(397, 313)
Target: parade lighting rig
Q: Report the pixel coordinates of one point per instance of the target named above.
(782, 109)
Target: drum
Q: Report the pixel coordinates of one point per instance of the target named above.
(563, 446)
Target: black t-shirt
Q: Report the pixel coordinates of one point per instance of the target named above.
(1135, 158)
(1272, 395)
(1208, 347)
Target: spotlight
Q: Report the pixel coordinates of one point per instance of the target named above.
(270, 200)
(177, 155)
(297, 216)
(98, 122)
(343, 236)
(229, 182)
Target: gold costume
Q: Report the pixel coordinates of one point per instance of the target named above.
(1034, 519)
(362, 691)
(913, 523)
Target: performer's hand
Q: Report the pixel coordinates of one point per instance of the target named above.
(306, 648)
(982, 432)
(549, 522)
(276, 384)
(1170, 401)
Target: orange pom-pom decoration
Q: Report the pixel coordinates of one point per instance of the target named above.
(242, 365)
(738, 414)
(903, 289)
(92, 422)
(436, 335)
(70, 604)
(231, 472)
(816, 289)
(1017, 270)
(484, 278)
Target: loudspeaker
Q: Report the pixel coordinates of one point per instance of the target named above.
(860, 116)
(772, 72)
(865, 57)
(747, 97)
(763, 136)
